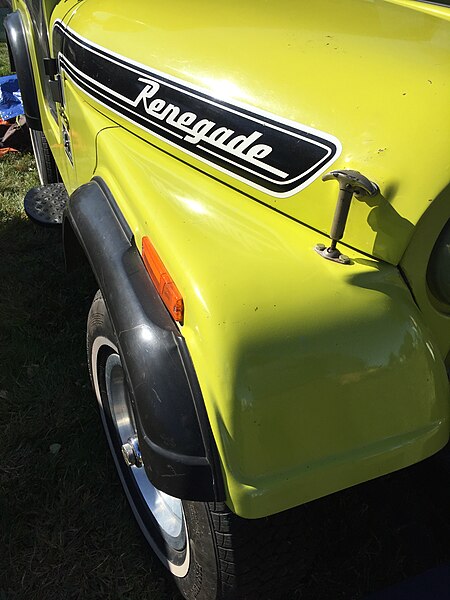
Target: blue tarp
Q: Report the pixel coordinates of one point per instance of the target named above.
(10, 98)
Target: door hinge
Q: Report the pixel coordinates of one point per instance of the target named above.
(56, 89)
(51, 67)
(54, 79)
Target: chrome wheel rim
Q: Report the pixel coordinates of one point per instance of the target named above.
(166, 510)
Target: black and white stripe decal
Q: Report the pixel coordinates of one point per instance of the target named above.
(272, 154)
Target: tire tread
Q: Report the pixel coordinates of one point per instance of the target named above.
(50, 172)
(260, 558)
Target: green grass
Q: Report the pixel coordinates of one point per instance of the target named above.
(66, 531)
(4, 60)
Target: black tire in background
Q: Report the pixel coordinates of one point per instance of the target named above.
(218, 555)
(45, 163)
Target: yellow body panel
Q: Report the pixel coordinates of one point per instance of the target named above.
(414, 264)
(315, 376)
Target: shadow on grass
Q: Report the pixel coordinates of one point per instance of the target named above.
(382, 532)
(65, 529)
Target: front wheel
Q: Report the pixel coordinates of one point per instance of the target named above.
(212, 553)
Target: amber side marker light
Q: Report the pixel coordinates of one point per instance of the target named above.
(162, 280)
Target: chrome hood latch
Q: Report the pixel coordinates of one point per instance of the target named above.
(351, 183)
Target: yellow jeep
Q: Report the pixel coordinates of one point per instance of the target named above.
(262, 192)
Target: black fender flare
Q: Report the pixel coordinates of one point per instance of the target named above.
(175, 437)
(21, 63)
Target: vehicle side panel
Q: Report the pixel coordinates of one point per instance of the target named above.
(316, 376)
(50, 125)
